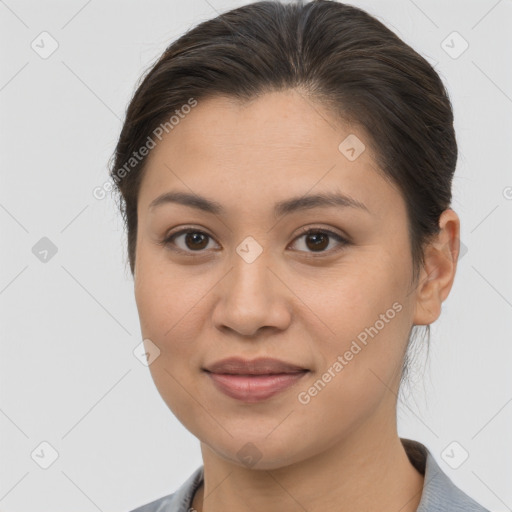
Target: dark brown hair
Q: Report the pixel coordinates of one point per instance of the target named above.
(331, 52)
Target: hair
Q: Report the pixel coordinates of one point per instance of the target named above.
(331, 52)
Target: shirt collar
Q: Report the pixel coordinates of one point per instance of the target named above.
(439, 492)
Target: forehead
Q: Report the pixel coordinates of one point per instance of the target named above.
(286, 119)
(280, 144)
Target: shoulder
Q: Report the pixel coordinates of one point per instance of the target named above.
(159, 505)
(179, 501)
(442, 495)
(439, 494)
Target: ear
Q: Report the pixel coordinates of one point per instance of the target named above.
(438, 273)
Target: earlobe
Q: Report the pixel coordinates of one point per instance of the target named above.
(437, 275)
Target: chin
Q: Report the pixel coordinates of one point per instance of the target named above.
(260, 452)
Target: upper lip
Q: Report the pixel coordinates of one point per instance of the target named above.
(259, 366)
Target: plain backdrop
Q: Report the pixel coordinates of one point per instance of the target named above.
(69, 325)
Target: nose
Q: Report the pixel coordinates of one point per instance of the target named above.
(253, 297)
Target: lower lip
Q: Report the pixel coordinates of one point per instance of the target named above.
(254, 388)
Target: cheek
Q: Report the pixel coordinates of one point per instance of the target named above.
(360, 375)
(168, 318)
(166, 299)
(170, 307)
(369, 320)
(351, 300)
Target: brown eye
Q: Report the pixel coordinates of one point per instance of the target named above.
(193, 241)
(318, 240)
(196, 241)
(316, 243)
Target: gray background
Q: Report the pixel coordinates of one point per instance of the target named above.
(69, 324)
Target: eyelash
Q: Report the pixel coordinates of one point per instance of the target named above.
(169, 241)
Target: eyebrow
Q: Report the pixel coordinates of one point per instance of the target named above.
(286, 207)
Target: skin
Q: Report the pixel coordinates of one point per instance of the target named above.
(341, 451)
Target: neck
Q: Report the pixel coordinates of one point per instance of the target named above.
(369, 470)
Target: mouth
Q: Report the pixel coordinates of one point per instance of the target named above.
(254, 388)
(253, 380)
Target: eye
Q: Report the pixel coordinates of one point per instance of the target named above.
(318, 239)
(194, 241)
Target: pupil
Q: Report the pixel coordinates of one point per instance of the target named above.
(194, 237)
(318, 243)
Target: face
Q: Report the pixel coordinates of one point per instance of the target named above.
(248, 281)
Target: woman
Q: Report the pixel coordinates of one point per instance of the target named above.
(285, 178)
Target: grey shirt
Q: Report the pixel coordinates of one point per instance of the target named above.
(439, 493)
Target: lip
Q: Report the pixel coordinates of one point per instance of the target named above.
(259, 366)
(253, 380)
